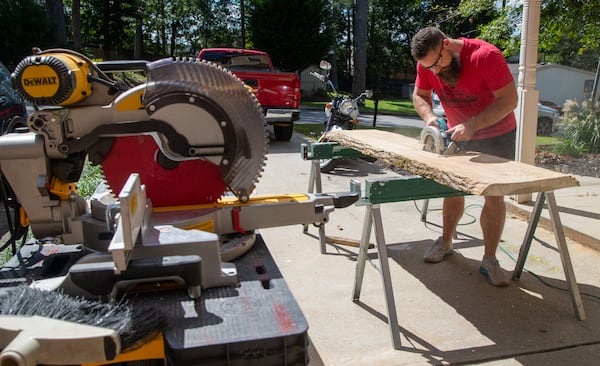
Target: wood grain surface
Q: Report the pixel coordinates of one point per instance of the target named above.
(469, 172)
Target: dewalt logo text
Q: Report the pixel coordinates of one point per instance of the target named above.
(40, 81)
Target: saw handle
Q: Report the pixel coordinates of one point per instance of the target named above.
(32, 340)
(100, 279)
(442, 124)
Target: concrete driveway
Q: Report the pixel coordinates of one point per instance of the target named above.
(447, 313)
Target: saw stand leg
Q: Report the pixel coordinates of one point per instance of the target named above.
(314, 182)
(559, 235)
(373, 217)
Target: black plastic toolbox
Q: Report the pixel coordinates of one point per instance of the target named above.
(257, 323)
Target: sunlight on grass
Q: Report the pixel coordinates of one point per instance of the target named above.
(313, 130)
(402, 106)
(547, 140)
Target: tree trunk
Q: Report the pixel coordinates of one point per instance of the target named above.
(138, 47)
(76, 24)
(106, 38)
(360, 46)
(55, 14)
(243, 23)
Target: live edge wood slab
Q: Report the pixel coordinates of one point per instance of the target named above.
(469, 172)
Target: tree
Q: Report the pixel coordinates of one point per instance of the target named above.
(23, 26)
(360, 46)
(55, 14)
(291, 31)
(76, 24)
(569, 32)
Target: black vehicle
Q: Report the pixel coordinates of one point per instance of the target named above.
(12, 108)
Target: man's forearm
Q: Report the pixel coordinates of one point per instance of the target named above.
(505, 103)
(423, 108)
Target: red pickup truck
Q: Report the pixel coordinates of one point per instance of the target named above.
(277, 92)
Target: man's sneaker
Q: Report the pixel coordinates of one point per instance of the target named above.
(438, 251)
(490, 268)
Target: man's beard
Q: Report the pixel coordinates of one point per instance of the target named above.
(451, 73)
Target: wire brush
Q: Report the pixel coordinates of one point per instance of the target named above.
(134, 325)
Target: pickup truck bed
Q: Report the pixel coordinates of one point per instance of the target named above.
(277, 92)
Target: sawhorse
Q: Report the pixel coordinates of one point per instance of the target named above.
(412, 188)
(315, 153)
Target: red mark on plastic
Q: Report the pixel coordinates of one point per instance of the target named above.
(284, 318)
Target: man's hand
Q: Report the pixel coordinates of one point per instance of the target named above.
(462, 132)
(432, 122)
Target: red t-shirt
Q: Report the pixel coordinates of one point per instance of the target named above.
(484, 71)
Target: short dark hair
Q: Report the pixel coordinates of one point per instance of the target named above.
(426, 40)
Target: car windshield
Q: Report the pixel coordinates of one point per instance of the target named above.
(238, 61)
(8, 95)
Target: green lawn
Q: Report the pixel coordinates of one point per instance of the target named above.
(401, 106)
(314, 129)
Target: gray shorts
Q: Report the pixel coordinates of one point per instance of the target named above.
(502, 146)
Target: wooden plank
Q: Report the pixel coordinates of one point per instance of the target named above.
(345, 241)
(469, 172)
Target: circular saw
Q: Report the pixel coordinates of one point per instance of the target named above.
(437, 140)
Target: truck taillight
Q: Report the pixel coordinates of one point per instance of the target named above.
(297, 93)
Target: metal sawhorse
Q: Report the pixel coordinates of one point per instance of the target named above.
(411, 188)
(315, 152)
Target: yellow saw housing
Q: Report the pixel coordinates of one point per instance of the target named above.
(53, 79)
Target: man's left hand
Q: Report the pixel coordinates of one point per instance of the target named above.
(462, 132)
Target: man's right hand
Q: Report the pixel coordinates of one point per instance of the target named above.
(432, 122)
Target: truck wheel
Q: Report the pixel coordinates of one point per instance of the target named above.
(544, 126)
(283, 133)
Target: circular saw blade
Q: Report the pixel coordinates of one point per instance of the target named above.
(207, 137)
(167, 184)
(432, 141)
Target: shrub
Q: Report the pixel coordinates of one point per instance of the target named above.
(91, 177)
(581, 128)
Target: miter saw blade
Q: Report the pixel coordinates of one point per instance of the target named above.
(205, 136)
(432, 140)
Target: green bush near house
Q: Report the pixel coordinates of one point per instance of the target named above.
(581, 133)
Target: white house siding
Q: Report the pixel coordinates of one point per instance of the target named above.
(559, 83)
(310, 84)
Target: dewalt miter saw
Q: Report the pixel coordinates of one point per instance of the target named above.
(438, 140)
(181, 153)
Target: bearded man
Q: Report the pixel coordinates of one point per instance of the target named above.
(478, 93)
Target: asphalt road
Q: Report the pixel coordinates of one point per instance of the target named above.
(383, 120)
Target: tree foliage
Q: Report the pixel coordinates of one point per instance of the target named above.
(22, 26)
(296, 33)
(291, 31)
(569, 29)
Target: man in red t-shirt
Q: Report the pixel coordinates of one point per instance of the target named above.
(478, 94)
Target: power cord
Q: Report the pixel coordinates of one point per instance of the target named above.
(539, 278)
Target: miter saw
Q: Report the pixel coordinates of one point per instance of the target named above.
(438, 140)
(181, 153)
